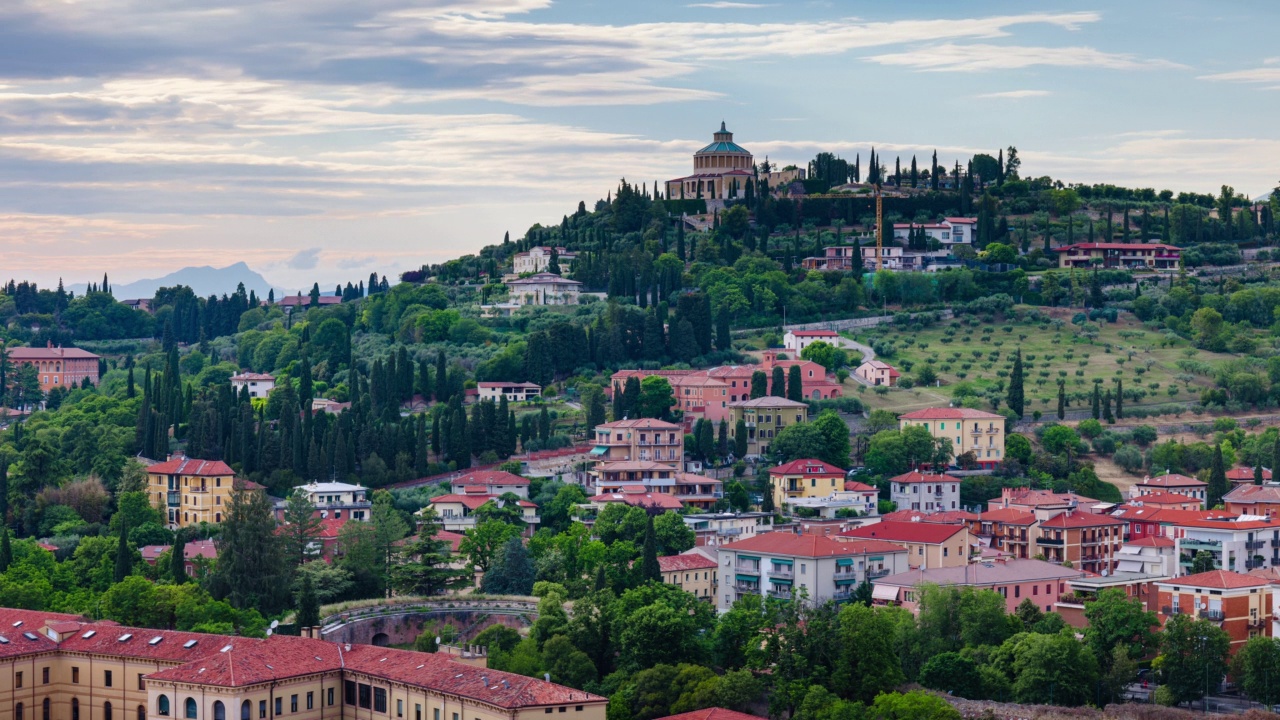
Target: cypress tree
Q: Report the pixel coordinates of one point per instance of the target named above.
(1015, 398)
(178, 558)
(1275, 457)
(1106, 408)
(1097, 402)
(124, 561)
(1062, 401)
(795, 390)
(740, 439)
(759, 384)
(1257, 469)
(1119, 399)
(1217, 479)
(6, 552)
(649, 568)
(308, 604)
(778, 384)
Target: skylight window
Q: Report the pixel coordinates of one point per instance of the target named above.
(126, 637)
(190, 644)
(88, 635)
(30, 636)
(155, 640)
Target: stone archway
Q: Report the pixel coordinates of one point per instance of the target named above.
(381, 639)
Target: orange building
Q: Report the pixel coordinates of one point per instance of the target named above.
(1089, 542)
(1239, 604)
(1253, 500)
(58, 366)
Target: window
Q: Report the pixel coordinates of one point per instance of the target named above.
(293, 703)
(44, 676)
(17, 712)
(17, 679)
(380, 700)
(75, 675)
(106, 711)
(140, 685)
(417, 711)
(162, 705)
(279, 706)
(311, 700)
(365, 696)
(106, 678)
(399, 708)
(246, 710)
(329, 697)
(262, 708)
(191, 713)
(349, 692)
(44, 709)
(75, 708)
(1017, 591)
(436, 714)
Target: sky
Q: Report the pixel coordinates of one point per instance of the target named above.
(321, 140)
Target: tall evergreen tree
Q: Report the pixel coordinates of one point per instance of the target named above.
(1119, 399)
(759, 384)
(1097, 401)
(649, 568)
(1106, 408)
(1217, 479)
(1062, 400)
(6, 551)
(178, 557)
(778, 383)
(124, 557)
(795, 388)
(308, 605)
(251, 564)
(1015, 398)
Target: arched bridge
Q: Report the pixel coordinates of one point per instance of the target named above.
(400, 621)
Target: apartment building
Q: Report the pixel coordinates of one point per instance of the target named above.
(778, 565)
(1014, 580)
(641, 439)
(714, 529)
(1043, 503)
(457, 510)
(1237, 544)
(1152, 256)
(190, 491)
(692, 572)
(764, 418)
(57, 366)
(495, 482)
(1088, 541)
(334, 500)
(926, 492)
(1263, 500)
(929, 545)
(1239, 604)
(1008, 530)
(62, 666)
(975, 431)
(1170, 483)
(804, 479)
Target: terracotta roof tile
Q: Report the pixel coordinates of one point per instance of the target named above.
(916, 532)
(673, 563)
(806, 467)
(183, 465)
(941, 413)
(1069, 520)
(784, 543)
(1218, 579)
(713, 713)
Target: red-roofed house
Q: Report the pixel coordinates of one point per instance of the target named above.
(636, 496)
(1253, 499)
(457, 511)
(778, 564)
(926, 492)
(1166, 501)
(878, 373)
(57, 366)
(1010, 530)
(1240, 604)
(1043, 503)
(692, 572)
(190, 491)
(804, 478)
(930, 545)
(194, 552)
(797, 340)
(1239, 544)
(714, 713)
(1014, 580)
(1089, 542)
(258, 385)
(1171, 482)
(495, 482)
(1156, 256)
(1244, 475)
(975, 431)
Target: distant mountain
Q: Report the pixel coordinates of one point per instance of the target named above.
(203, 281)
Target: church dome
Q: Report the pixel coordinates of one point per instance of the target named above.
(723, 144)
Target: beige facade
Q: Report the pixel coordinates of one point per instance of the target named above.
(765, 417)
(981, 433)
(543, 289)
(190, 491)
(692, 572)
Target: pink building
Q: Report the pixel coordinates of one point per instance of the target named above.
(702, 396)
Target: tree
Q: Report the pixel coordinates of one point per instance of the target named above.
(828, 356)
(251, 564)
(1193, 657)
(912, 705)
(1059, 439)
(673, 535)
(1217, 479)
(740, 439)
(1115, 619)
(649, 568)
(1053, 669)
(124, 556)
(656, 398)
(424, 567)
(1062, 400)
(6, 550)
(1257, 666)
(308, 606)
(759, 384)
(778, 383)
(178, 557)
(1203, 562)
(1015, 399)
(513, 574)
(483, 543)
(795, 387)
(1121, 672)
(952, 673)
(868, 663)
(301, 527)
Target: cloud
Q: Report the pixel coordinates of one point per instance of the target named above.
(729, 5)
(1017, 94)
(1253, 75)
(303, 259)
(976, 57)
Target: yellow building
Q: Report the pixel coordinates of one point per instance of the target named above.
(765, 417)
(804, 479)
(692, 572)
(981, 433)
(190, 491)
(58, 667)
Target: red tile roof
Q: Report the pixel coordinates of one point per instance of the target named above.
(915, 476)
(1174, 480)
(50, 353)
(1169, 516)
(1161, 497)
(915, 532)
(646, 500)
(1152, 541)
(941, 413)
(855, 486)
(785, 543)
(491, 477)
(252, 376)
(1008, 516)
(713, 713)
(639, 424)
(1227, 524)
(946, 517)
(1246, 473)
(138, 643)
(183, 465)
(1217, 579)
(815, 333)
(1253, 494)
(696, 561)
(1069, 520)
(1116, 246)
(806, 467)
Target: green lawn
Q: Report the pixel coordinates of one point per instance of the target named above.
(982, 355)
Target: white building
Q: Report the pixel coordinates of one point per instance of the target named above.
(339, 500)
(925, 491)
(860, 498)
(514, 392)
(778, 564)
(950, 231)
(543, 289)
(538, 258)
(797, 340)
(260, 384)
(713, 529)
(1241, 544)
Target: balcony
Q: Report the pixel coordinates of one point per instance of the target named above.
(1255, 544)
(872, 574)
(782, 572)
(780, 594)
(1212, 615)
(747, 587)
(174, 499)
(842, 595)
(746, 570)
(1258, 622)
(1173, 610)
(1197, 545)
(1057, 542)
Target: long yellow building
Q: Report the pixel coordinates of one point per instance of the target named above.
(60, 667)
(190, 491)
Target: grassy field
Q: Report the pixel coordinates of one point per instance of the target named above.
(980, 356)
